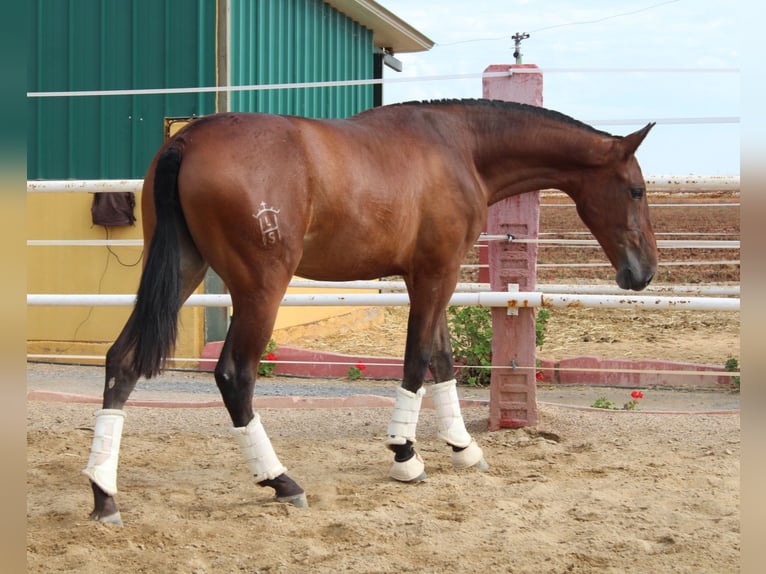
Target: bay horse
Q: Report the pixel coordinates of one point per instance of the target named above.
(396, 190)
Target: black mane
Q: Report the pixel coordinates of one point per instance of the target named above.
(526, 108)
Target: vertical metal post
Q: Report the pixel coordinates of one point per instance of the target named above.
(223, 71)
(517, 38)
(377, 74)
(217, 318)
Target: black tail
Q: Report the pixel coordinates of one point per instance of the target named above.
(153, 326)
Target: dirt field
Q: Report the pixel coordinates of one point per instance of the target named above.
(583, 492)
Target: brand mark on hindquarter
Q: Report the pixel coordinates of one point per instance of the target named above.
(269, 224)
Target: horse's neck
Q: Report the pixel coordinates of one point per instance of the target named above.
(526, 156)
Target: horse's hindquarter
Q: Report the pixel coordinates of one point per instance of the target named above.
(243, 193)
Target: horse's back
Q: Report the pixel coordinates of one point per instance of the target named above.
(349, 198)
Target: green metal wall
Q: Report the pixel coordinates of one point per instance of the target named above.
(113, 45)
(285, 41)
(77, 45)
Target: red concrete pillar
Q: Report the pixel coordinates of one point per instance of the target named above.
(513, 397)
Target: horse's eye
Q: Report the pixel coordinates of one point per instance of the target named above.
(636, 192)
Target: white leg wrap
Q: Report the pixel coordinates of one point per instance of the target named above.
(472, 455)
(257, 450)
(105, 450)
(452, 427)
(404, 420)
(450, 420)
(412, 470)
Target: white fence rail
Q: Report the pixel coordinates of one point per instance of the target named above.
(699, 183)
(591, 243)
(485, 299)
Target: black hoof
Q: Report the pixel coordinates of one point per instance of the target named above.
(287, 490)
(104, 507)
(297, 500)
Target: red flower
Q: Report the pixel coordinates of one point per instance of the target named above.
(539, 375)
(271, 357)
(637, 395)
(361, 367)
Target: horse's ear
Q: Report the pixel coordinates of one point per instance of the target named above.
(631, 142)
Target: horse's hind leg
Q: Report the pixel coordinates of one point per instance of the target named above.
(120, 379)
(105, 449)
(246, 340)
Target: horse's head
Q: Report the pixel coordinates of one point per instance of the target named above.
(611, 201)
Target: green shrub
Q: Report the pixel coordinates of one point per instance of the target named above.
(356, 371)
(603, 403)
(471, 337)
(732, 365)
(266, 368)
(540, 323)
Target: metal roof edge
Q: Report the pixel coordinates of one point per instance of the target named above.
(389, 31)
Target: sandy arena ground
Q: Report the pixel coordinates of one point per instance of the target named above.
(584, 491)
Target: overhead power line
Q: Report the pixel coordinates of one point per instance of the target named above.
(563, 25)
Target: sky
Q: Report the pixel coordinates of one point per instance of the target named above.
(694, 42)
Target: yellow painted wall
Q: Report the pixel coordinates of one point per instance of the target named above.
(85, 269)
(102, 269)
(294, 316)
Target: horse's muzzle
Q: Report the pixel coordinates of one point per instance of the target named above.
(628, 279)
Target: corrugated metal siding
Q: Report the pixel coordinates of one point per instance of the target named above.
(96, 45)
(281, 41)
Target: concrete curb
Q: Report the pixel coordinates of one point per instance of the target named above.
(585, 370)
(297, 362)
(627, 373)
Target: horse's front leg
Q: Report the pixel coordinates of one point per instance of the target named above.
(465, 451)
(235, 377)
(426, 304)
(428, 345)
